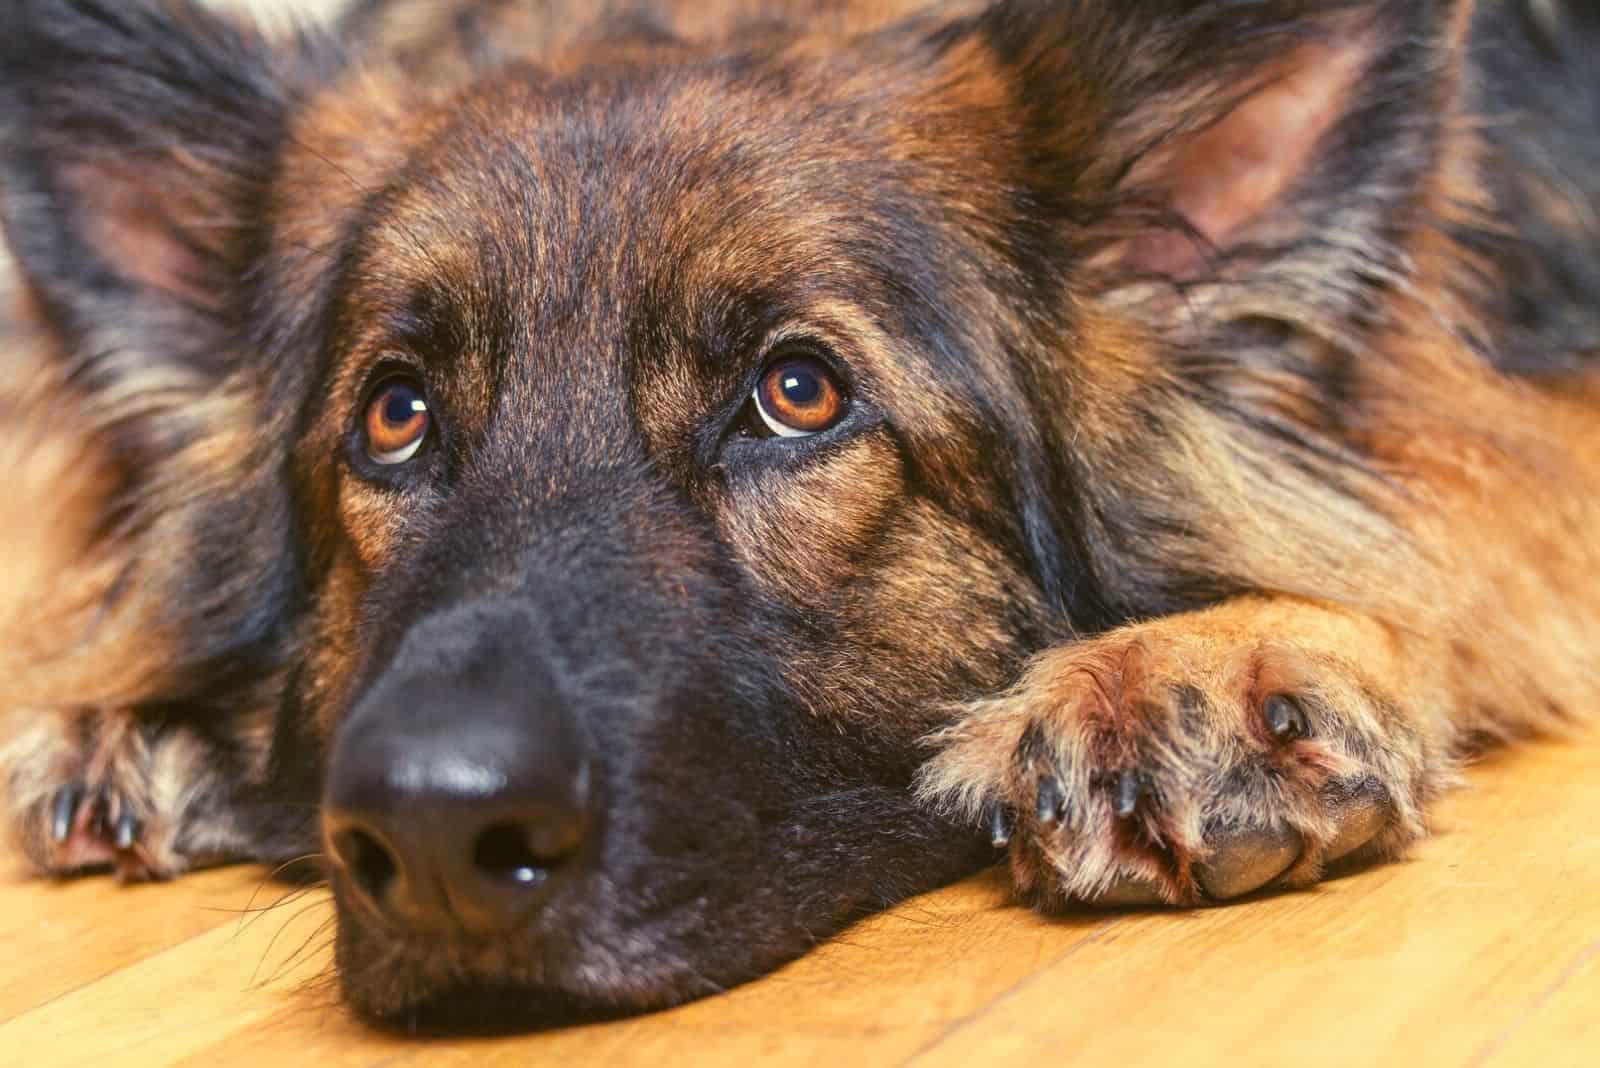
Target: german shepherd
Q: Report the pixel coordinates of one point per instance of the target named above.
(638, 485)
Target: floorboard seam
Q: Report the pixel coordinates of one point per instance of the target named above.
(961, 1023)
(155, 953)
(1503, 1039)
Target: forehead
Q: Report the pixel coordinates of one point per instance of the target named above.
(770, 177)
(666, 220)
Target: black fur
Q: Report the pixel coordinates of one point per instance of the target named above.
(1537, 92)
(743, 817)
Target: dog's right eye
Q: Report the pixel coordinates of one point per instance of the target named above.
(397, 420)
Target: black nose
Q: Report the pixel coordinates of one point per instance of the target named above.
(457, 795)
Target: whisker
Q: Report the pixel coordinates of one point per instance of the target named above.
(299, 953)
(411, 235)
(267, 952)
(249, 906)
(249, 910)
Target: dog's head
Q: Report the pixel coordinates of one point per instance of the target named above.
(592, 471)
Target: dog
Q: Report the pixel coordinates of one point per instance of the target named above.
(638, 486)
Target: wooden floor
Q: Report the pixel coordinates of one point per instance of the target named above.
(1483, 949)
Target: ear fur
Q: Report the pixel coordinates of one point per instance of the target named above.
(1243, 193)
(138, 144)
(1281, 143)
(139, 140)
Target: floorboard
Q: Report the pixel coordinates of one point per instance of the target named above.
(1482, 948)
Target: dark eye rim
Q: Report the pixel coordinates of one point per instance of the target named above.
(360, 459)
(732, 446)
(385, 396)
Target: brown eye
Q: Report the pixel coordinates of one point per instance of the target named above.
(798, 396)
(397, 421)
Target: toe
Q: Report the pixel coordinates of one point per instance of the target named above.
(98, 808)
(64, 812)
(1245, 859)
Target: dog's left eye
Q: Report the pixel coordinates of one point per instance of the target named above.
(799, 396)
(397, 420)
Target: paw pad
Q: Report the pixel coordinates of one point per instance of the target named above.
(1286, 720)
(1245, 860)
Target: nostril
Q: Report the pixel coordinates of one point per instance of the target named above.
(370, 865)
(503, 854)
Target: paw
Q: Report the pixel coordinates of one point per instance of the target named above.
(99, 826)
(1161, 766)
(94, 791)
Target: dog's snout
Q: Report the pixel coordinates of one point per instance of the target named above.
(438, 841)
(453, 805)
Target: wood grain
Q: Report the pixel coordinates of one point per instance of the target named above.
(1483, 948)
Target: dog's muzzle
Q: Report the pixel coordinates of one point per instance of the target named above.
(458, 795)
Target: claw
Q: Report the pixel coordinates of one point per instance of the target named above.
(1130, 788)
(127, 830)
(1285, 719)
(64, 812)
(1000, 827)
(1050, 801)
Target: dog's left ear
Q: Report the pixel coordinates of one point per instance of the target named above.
(1278, 143)
(1231, 196)
(136, 156)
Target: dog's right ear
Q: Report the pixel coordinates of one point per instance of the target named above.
(137, 144)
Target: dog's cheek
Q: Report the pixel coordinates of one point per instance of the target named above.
(805, 534)
(334, 654)
(906, 606)
(943, 614)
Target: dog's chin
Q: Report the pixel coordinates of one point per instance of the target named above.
(439, 987)
(553, 974)
(482, 1007)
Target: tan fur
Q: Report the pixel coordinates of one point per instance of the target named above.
(1480, 625)
(1444, 598)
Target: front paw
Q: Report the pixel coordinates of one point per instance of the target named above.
(96, 791)
(1157, 765)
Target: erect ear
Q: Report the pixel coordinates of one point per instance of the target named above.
(1281, 142)
(1237, 193)
(138, 143)
(138, 139)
